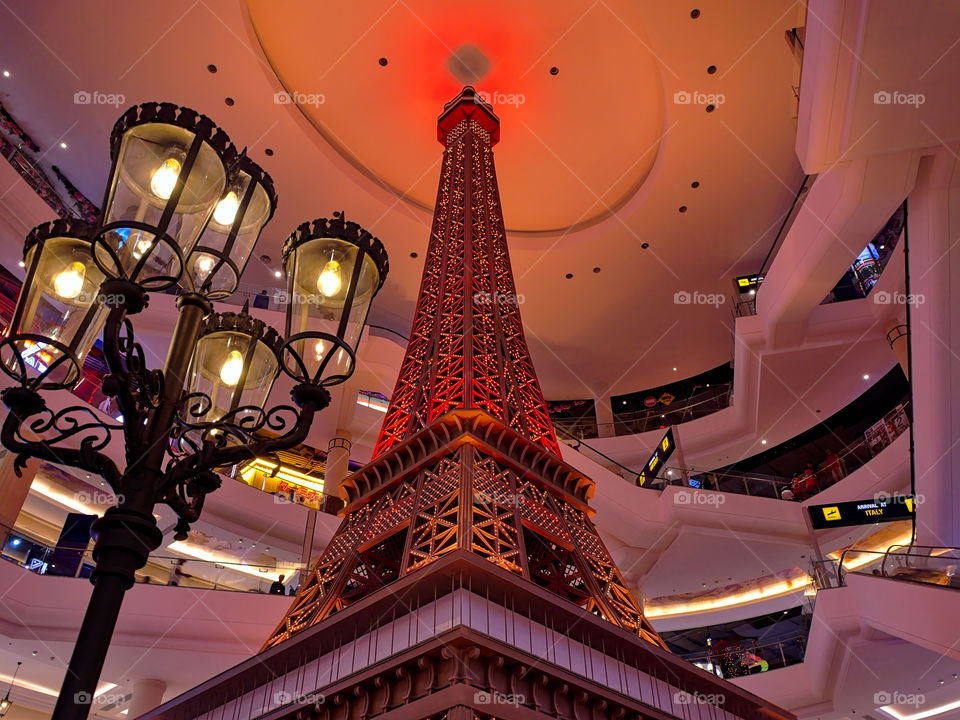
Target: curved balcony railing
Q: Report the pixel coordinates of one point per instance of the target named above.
(925, 564)
(706, 402)
(739, 661)
(798, 488)
(38, 557)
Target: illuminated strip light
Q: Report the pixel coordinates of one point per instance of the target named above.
(228, 561)
(762, 593)
(41, 488)
(756, 595)
(280, 471)
(43, 690)
(373, 400)
(892, 712)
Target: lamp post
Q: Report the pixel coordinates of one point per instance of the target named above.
(182, 206)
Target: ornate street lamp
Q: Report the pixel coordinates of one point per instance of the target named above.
(182, 206)
(217, 261)
(233, 370)
(334, 268)
(57, 319)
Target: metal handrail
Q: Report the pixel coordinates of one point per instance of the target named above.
(800, 640)
(717, 398)
(39, 564)
(902, 551)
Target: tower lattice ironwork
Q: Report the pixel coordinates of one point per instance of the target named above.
(467, 348)
(467, 376)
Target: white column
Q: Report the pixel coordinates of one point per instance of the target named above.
(934, 270)
(604, 412)
(147, 694)
(338, 460)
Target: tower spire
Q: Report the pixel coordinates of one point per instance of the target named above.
(467, 348)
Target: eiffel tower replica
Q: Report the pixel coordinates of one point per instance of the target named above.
(467, 580)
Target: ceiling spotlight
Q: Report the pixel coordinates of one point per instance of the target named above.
(6, 73)
(674, 369)
(277, 273)
(866, 377)
(22, 263)
(63, 145)
(763, 442)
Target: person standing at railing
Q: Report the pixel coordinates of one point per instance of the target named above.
(810, 486)
(177, 574)
(277, 587)
(799, 488)
(261, 300)
(832, 468)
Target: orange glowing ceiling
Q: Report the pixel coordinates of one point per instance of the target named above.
(579, 94)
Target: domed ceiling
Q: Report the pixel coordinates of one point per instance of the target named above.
(579, 93)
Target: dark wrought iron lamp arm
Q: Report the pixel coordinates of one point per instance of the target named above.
(310, 398)
(29, 412)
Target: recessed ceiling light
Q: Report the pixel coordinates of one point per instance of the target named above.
(63, 145)
(674, 369)
(866, 377)
(22, 263)
(6, 73)
(763, 442)
(277, 273)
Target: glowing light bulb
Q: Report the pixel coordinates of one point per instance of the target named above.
(69, 282)
(205, 263)
(164, 178)
(232, 368)
(141, 248)
(330, 280)
(226, 211)
(320, 348)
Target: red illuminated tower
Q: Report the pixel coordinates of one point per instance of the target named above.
(467, 348)
(467, 580)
